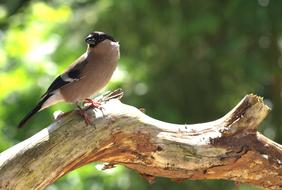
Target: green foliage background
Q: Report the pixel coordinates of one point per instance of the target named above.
(183, 61)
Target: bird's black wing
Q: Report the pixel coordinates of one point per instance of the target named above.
(56, 84)
(69, 76)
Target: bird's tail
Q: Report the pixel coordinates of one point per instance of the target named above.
(34, 111)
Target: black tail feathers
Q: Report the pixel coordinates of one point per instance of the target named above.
(34, 111)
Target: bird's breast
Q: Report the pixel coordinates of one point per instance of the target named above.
(94, 76)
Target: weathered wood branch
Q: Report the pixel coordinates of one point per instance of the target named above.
(228, 148)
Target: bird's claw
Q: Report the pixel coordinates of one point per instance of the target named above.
(88, 104)
(96, 104)
(85, 116)
(91, 103)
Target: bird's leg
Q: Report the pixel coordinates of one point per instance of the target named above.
(83, 114)
(96, 103)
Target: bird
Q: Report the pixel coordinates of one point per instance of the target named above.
(84, 77)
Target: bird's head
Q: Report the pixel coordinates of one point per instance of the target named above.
(94, 38)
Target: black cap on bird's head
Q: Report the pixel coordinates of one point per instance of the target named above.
(95, 38)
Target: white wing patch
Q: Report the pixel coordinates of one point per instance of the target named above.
(65, 77)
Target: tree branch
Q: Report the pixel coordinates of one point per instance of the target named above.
(228, 148)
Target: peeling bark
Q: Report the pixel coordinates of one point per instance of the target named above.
(228, 148)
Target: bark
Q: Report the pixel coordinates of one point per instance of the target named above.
(228, 148)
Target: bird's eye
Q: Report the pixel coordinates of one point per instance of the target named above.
(90, 40)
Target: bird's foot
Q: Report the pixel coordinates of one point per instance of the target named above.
(96, 104)
(84, 115)
(91, 103)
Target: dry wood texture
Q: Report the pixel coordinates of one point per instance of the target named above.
(228, 148)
